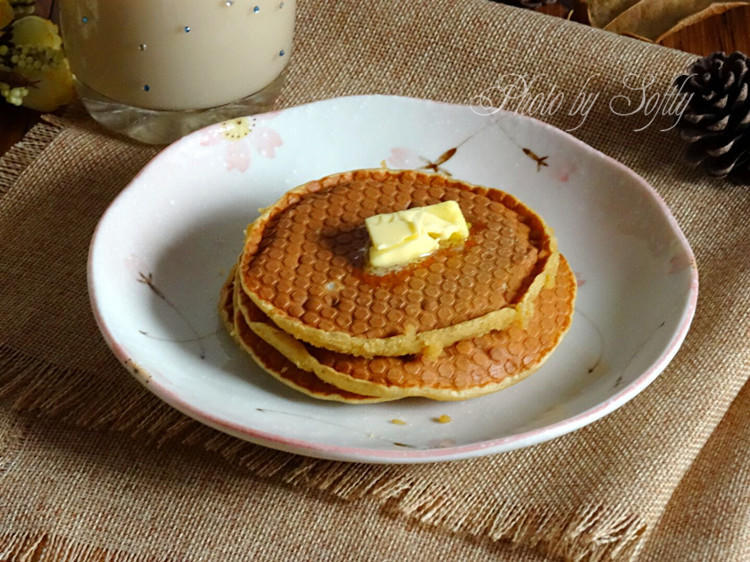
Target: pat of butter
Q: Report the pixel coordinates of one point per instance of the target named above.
(401, 237)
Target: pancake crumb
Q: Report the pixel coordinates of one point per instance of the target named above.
(396, 421)
(432, 351)
(443, 419)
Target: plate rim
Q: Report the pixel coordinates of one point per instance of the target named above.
(407, 456)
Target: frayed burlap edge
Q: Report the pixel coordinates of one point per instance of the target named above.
(35, 386)
(43, 547)
(23, 153)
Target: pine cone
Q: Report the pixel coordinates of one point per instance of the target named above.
(716, 121)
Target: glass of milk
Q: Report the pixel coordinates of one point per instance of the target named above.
(157, 69)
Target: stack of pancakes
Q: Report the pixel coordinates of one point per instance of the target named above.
(467, 320)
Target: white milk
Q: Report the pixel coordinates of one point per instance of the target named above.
(177, 54)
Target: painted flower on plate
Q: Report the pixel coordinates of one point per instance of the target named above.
(404, 158)
(241, 137)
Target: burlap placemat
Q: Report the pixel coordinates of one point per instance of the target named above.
(708, 517)
(597, 493)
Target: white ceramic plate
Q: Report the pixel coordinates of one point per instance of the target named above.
(162, 251)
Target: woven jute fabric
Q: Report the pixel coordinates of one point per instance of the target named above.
(92, 466)
(708, 516)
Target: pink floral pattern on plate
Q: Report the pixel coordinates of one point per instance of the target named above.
(404, 158)
(242, 136)
(565, 171)
(679, 262)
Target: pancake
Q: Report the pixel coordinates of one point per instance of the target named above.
(303, 265)
(467, 369)
(273, 362)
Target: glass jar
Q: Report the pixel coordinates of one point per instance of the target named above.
(157, 69)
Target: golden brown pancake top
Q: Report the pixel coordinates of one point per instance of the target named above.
(307, 259)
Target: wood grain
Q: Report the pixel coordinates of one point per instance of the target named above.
(45, 7)
(14, 122)
(727, 32)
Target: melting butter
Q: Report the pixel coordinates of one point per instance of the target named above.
(401, 237)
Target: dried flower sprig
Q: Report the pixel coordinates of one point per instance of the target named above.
(33, 69)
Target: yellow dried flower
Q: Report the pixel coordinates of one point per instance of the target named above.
(53, 87)
(36, 61)
(35, 31)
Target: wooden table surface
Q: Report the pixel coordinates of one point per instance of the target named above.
(727, 32)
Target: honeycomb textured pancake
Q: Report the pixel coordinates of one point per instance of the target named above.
(273, 362)
(304, 265)
(467, 369)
